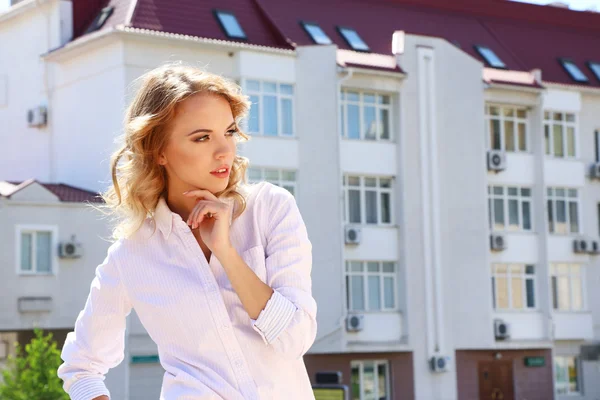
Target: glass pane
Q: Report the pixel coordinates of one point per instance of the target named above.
(573, 193)
(374, 293)
(495, 141)
(526, 215)
(549, 207)
(352, 96)
(530, 287)
(525, 192)
(382, 378)
(369, 98)
(522, 113)
(385, 182)
(370, 182)
(494, 110)
(498, 190)
(317, 34)
(509, 112)
(570, 117)
(348, 290)
(369, 123)
(371, 206)
(386, 212)
(353, 39)
(286, 89)
(388, 292)
(561, 216)
(353, 181)
(557, 140)
(356, 266)
(555, 292)
(369, 381)
(513, 191)
(546, 115)
(529, 270)
(254, 174)
(494, 292)
(383, 99)
(570, 141)
(355, 382)
(354, 206)
(43, 251)
(573, 217)
(384, 124)
(353, 121)
(253, 85)
(509, 135)
(342, 121)
(270, 115)
(563, 292)
(372, 266)
(577, 293)
(26, 248)
(269, 87)
(498, 214)
(388, 267)
(253, 122)
(358, 299)
(517, 292)
(502, 292)
(290, 189)
(231, 25)
(558, 116)
(288, 176)
(522, 137)
(573, 375)
(547, 138)
(271, 174)
(513, 214)
(286, 117)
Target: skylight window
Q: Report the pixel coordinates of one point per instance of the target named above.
(490, 57)
(230, 24)
(316, 33)
(353, 39)
(573, 70)
(100, 19)
(595, 67)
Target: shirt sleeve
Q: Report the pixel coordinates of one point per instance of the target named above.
(98, 340)
(288, 321)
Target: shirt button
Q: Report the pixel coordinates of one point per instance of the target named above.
(225, 326)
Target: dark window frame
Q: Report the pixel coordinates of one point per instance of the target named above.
(216, 12)
(563, 60)
(340, 28)
(100, 19)
(304, 23)
(589, 64)
(489, 64)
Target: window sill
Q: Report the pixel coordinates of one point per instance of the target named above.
(386, 141)
(260, 135)
(36, 274)
(515, 311)
(372, 312)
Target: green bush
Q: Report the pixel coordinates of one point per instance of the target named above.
(31, 375)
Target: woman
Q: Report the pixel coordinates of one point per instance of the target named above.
(218, 271)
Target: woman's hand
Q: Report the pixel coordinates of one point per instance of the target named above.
(101, 398)
(211, 216)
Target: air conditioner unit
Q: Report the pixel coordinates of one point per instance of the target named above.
(70, 249)
(496, 160)
(595, 171)
(497, 242)
(593, 247)
(439, 363)
(580, 245)
(37, 116)
(501, 329)
(355, 323)
(352, 235)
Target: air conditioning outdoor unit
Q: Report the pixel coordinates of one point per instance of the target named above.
(37, 116)
(496, 160)
(594, 247)
(70, 249)
(595, 171)
(497, 242)
(501, 329)
(439, 363)
(580, 246)
(352, 235)
(355, 323)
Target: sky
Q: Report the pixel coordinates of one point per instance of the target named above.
(574, 4)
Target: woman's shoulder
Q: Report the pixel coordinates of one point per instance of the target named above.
(267, 195)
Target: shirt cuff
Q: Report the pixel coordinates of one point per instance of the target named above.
(275, 317)
(88, 388)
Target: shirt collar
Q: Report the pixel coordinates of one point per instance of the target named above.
(164, 217)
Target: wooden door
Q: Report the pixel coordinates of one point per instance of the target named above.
(496, 380)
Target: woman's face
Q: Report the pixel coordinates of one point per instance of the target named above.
(201, 140)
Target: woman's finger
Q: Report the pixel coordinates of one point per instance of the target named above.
(201, 193)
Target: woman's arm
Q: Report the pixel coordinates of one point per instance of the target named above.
(98, 340)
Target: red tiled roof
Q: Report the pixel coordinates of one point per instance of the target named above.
(66, 193)
(524, 36)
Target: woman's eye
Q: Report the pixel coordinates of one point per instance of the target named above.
(201, 138)
(232, 132)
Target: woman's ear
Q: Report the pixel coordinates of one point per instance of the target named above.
(162, 159)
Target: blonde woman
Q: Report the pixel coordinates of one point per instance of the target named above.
(217, 270)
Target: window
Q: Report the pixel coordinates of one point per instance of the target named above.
(560, 134)
(573, 70)
(365, 115)
(509, 208)
(36, 254)
(595, 67)
(316, 33)
(99, 20)
(371, 285)
(490, 57)
(563, 210)
(353, 39)
(367, 200)
(513, 286)
(280, 177)
(566, 374)
(230, 24)
(506, 128)
(272, 111)
(567, 287)
(370, 380)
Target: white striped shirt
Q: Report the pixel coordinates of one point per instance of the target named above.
(208, 345)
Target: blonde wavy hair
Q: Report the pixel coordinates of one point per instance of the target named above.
(138, 181)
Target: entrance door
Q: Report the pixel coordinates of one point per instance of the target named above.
(496, 380)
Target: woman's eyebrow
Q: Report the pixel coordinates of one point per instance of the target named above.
(208, 130)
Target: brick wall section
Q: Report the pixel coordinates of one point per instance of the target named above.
(401, 369)
(531, 383)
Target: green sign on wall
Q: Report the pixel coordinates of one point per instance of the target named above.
(144, 359)
(535, 361)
